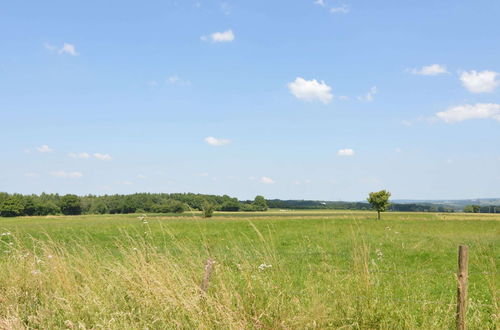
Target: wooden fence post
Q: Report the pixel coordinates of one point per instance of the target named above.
(463, 270)
(206, 276)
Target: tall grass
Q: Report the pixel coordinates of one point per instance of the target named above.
(143, 284)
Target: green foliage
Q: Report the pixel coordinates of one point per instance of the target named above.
(46, 208)
(379, 201)
(208, 210)
(231, 205)
(168, 206)
(70, 205)
(260, 203)
(99, 207)
(13, 206)
(472, 208)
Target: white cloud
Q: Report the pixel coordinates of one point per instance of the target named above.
(173, 79)
(217, 142)
(370, 95)
(102, 156)
(320, 2)
(67, 175)
(68, 49)
(226, 36)
(345, 152)
(266, 180)
(430, 70)
(480, 82)
(31, 174)
(142, 176)
(44, 148)
(344, 9)
(469, 111)
(176, 80)
(86, 155)
(310, 90)
(81, 155)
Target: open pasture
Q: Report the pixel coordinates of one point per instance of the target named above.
(277, 269)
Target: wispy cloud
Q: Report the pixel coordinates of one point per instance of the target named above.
(102, 156)
(345, 152)
(67, 175)
(470, 111)
(480, 82)
(343, 9)
(44, 148)
(310, 90)
(319, 2)
(226, 36)
(66, 48)
(81, 155)
(216, 142)
(368, 97)
(86, 155)
(176, 80)
(429, 70)
(31, 174)
(266, 180)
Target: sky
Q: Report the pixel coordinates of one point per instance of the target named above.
(305, 99)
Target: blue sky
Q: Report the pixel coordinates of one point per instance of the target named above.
(289, 99)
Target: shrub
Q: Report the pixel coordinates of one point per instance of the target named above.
(208, 210)
(168, 206)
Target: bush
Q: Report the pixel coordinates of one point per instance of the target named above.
(208, 210)
(232, 205)
(168, 206)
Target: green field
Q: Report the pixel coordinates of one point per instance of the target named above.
(277, 269)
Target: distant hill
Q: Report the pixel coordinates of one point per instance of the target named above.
(487, 205)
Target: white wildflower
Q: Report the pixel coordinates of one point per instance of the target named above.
(264, 266)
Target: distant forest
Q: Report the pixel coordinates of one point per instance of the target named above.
(53, 204)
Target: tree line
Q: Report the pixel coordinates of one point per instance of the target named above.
(12, 205)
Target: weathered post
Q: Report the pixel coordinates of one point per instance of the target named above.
(463, 270)
(206, 276)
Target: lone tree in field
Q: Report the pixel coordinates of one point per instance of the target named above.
(379, 201)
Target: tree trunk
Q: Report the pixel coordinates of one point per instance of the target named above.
(378, 215)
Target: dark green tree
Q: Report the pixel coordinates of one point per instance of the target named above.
(379, 201)
(260, 203)
(98, 207)
(13, 206)
(70, 205)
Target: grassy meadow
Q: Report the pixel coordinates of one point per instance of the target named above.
(273, 270)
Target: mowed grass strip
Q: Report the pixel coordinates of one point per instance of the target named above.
(278, 269)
